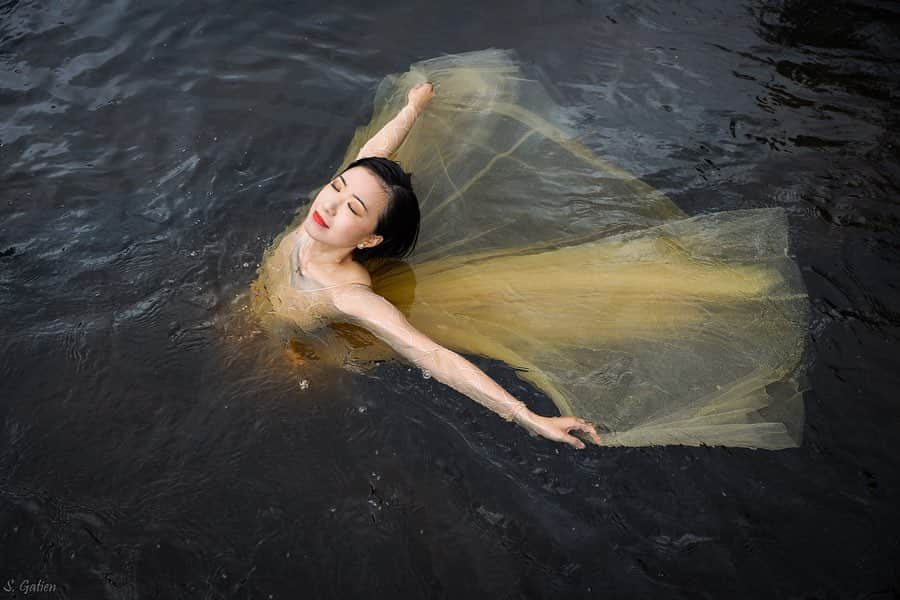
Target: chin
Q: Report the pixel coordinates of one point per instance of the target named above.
(312, 230)
(317, 233)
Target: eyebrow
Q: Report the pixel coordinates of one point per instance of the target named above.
(354, 195)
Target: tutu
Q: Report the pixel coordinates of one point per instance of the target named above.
(658, 327)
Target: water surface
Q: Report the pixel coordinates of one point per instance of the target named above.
(150, 152)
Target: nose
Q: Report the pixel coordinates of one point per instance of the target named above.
(330, 204)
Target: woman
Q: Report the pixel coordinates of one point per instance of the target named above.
(597, 289)
(371, 207)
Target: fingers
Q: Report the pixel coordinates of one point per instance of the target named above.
(574, 442)
(421, 93)
(560, 428)
(591, 432)
(569, 424)
(588, 428)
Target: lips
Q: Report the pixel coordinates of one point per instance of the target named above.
(319, 220)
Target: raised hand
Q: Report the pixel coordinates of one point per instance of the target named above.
(391, 135)
(420, 95)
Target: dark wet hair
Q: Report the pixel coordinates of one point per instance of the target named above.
(398, 224)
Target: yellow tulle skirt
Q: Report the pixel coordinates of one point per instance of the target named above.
(659, 327)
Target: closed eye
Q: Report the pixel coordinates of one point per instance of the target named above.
(335, 188)
(358, 199)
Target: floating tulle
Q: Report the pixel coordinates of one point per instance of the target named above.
(661, 328)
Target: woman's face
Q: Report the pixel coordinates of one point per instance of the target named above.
(345, 211)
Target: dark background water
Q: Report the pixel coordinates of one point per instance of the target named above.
(149, 153)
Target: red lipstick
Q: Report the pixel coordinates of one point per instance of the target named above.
(318, 219)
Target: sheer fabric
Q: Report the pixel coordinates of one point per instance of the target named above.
(659, 327)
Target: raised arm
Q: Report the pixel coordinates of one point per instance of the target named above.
(366, 308)
(388, 139)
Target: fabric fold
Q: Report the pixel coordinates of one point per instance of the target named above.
(660, 327)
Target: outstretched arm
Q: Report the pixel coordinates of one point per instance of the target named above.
(388, 139)
(363, 306)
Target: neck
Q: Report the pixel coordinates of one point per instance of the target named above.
(323, 255)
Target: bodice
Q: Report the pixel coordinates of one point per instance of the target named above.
(283, 294)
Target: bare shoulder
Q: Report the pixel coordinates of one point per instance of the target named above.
(361, 302)
(352, 275)
(356, 273)
(363, 306)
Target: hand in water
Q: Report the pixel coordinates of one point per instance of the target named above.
(421, 95)
(557, 429)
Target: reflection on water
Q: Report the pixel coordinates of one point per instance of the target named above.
(151, 446)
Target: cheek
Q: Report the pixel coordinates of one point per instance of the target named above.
(351, 228)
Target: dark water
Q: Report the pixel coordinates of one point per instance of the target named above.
(150, 151)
